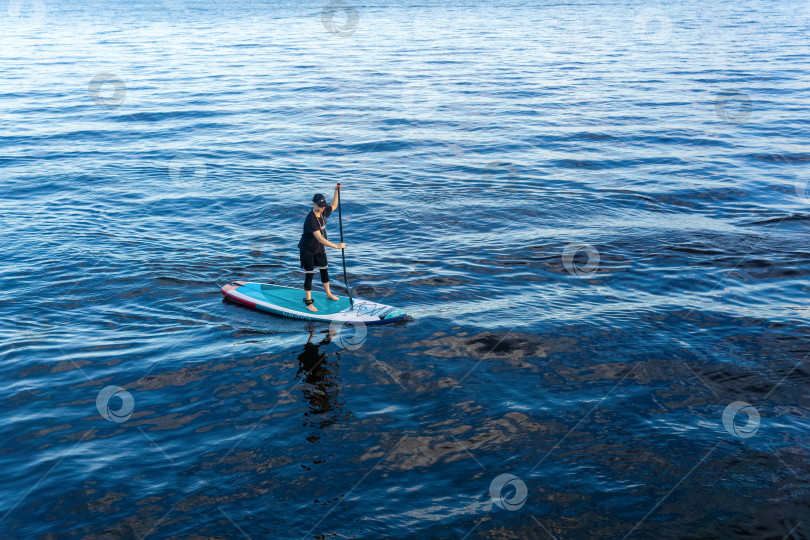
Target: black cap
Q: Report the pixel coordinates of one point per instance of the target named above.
(320, 200)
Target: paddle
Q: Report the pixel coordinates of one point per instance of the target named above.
(343, 252)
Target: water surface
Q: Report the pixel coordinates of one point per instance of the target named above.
(597, 215)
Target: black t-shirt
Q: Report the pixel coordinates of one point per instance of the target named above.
(313, 223)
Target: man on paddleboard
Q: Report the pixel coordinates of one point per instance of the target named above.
(310, 247)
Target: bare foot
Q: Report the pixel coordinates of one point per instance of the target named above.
(311, 307)
(332, 297)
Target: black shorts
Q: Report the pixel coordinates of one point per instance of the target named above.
(310, 261)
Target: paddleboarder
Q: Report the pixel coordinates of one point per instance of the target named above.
(310, 247)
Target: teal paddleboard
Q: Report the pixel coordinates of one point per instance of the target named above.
(288, 302)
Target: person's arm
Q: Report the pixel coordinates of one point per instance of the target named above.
(326, 242)
(334, 204)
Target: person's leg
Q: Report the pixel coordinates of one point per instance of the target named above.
(308, 292)
(308, 285)
(321, 264)
(308, 264)
(325, 281)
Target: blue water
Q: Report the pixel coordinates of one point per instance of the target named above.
(597, 215)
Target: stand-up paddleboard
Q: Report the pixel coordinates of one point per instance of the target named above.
(288, 302)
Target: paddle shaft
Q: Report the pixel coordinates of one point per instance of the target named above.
(343, 252)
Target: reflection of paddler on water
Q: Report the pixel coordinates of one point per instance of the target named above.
(321, 389)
